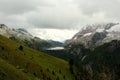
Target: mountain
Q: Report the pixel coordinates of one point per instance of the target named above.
(55, 43)
(94, 53)
(95, 35)
(23, 36)
(89, 38)
(102, 63)
(19, 33)
(18, 62)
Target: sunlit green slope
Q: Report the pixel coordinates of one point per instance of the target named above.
(29, 64)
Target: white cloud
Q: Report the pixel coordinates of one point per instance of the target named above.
(56, 34)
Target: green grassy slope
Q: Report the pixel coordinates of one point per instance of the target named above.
(9, 72)
(30, 64)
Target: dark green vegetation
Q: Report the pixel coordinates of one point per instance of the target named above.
(18, 62)
(100, 63)
(55, 43)
(74, 52)
(59, 53)
(34, 43)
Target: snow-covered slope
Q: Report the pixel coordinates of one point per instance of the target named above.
(24, 37)
(4, 30)
(22, 34)
(17, 33)
(94, 35)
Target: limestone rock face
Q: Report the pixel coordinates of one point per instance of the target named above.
(95, 35)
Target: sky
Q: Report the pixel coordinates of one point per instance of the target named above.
(57, 19)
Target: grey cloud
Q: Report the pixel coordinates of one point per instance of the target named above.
(111, 7)
(20, 6)
(61, 14)
(65, 18)
(54, 18)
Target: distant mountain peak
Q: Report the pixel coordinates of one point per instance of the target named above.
(23, 30)
(95, 34)
(23, 36)
(3, 26)
(97, 27)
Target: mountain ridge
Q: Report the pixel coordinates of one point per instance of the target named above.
(95, 35)
(21, 35)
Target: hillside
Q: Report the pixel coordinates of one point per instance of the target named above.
(24, 37)
(102, 63)
(55, 43)
(24, 63)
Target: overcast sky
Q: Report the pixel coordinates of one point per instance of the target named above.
(57, 19)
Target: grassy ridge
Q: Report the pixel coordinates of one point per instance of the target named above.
(32, 64)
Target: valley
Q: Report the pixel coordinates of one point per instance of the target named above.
(92, 54)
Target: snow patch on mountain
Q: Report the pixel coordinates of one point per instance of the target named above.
(96, 34)
(99, 30)
(18, 33)
(75, 38)
(87, 34)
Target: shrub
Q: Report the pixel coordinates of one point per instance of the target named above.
(35, 74)
(57, 78)
(59, 71)
(48, 70)
(20, 48)
(2, 48)
(53, 72)
(64, 77)
(71, 62)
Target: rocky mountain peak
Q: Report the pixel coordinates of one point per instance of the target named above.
(95, 28)
(3, 26)
(22, 30)
(94, 35)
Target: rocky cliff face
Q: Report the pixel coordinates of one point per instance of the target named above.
(95, 35)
